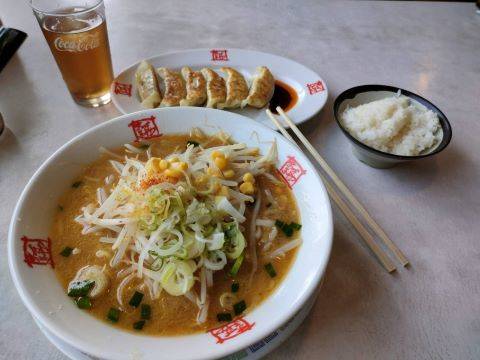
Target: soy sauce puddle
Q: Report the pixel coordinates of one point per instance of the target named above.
(284, 96)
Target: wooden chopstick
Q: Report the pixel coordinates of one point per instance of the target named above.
(345, 191)
(377, 250)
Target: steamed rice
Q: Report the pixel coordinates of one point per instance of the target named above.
(394, 125)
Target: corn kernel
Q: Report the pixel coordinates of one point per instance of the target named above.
(217, 154)
(221, 162)
(163, 164)
(247, 188)
(223, 191)
(248, 177)
(173, 173)
(181, 165)
(229, 174)
(213, 172)
(152, 165)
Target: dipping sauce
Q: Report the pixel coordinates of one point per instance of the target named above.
(284, 96)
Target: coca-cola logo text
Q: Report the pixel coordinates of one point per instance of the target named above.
(84, 43)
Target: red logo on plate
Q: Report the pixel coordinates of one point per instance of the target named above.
(291, 171)
(37, 251)
(145, 128)
(219, 55)
(122, 89)
(316, 87)
(231, 330)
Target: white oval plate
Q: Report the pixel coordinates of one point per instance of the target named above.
(29, 245)
(311, 88)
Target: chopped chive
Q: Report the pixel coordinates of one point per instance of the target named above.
(144, 146)
(191, 142)
(239, 307)
(270, 270)
(80, 288)
(76, 184)
(236, 265)
(287, 229)
(145, 311)
(60, 208)
(136, 299)
(224, 317)
(113, 315)
(139, 325)
(279, 223)
(235, 287)
(67, 251)
(295, 226)
(84, 302)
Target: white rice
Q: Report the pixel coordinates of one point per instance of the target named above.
(395, 125)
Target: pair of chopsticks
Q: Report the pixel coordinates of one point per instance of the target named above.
(334, 195)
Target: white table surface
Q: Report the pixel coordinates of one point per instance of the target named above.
(430, 208)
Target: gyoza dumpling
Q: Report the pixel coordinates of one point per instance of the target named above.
(196, 87)
(147, 85)
(216, 90)
(174, 87)
(237, 89)
(262, 88)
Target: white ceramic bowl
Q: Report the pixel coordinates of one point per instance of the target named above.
(364, 94)
(46, 300)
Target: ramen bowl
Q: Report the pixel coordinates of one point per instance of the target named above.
(31, 264)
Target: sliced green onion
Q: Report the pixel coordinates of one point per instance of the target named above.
(67, 251)
(270, 270)
(80, 288)
(236, 265)
(295, 226)
(224, 317)
(139, 325)
(191, 142)
(145, 311)
(136, 299)
(84, 303)
(279, 223)
(235, 287)
(287, 229)
(239, 307)
(76, 184)
(113, 315)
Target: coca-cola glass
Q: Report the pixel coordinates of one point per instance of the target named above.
(76, 32)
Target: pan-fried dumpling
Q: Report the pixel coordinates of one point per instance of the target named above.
(216, 90)
(262, 88)
(237, 89)
(174, 87)
(196, 87)
(147, 85)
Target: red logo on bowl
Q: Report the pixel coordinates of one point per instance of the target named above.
(231, 330)
(219, 55)
(122, 89)
(315, 87)
(37, 251)
(291, 171)
(145, 128)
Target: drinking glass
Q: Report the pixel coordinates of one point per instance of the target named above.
(76, 32)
